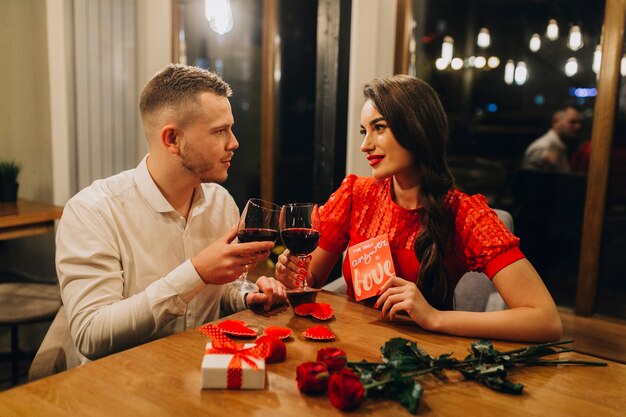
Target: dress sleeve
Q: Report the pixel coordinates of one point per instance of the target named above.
(335, 217)
(482, 240)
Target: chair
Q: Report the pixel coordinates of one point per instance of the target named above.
(22, 303)
(57, 352)
(338, 285)
(474, 292)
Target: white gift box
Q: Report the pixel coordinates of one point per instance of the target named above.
(215, 366)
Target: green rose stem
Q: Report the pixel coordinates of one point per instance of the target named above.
(534, 352)
(377, 383)
(542, 345)
(568, 362)
(405, 360)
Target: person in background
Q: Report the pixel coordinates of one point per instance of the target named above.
(436, 232)
(551, 151)
(146, 253)
(616, 191)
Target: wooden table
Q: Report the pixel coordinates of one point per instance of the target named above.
(27, 218)
(162, 378)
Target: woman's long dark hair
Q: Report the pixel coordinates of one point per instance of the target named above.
(416, 117)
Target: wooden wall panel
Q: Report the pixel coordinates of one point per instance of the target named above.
(404, 25)
(601, 140)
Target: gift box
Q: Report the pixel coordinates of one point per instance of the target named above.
(242, 368)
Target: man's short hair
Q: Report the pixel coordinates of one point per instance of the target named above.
(563, 108)
(179, 86)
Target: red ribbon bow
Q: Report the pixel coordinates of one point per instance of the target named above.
(222, 344)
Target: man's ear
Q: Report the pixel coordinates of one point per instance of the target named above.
(170, 138)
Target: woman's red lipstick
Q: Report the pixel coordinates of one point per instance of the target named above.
(374, 159)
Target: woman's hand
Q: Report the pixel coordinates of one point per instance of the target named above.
(402, 295)
(291, 270)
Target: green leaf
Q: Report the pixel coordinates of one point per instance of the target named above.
(490, 371)
(411, 395)
(405, 355)
(367, 377)
(407, 363)
(445, 360)
(404, 390)
(394, 347)
(418, 352)
(492, 376)
(501, 384)
(483, 349)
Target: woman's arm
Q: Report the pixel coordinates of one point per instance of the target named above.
(532, 315)
(291, 271)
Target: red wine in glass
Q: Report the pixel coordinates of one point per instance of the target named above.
(300, 241)
(257, 234)
(300, 230)
(258, 223)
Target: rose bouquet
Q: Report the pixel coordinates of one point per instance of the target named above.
(395, 378)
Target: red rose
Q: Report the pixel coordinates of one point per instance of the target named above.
(278, 349)
(312, 377)
(345, 390)
(335, 359)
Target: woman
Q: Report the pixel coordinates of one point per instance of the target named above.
(436, 232)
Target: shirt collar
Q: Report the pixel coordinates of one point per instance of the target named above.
(148, 188)
(153, 196)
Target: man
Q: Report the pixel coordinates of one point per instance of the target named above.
(550, 151)
(145, 253)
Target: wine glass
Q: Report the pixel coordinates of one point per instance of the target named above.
(258, 223)
(300, 230)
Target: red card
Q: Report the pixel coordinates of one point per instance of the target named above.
(371, 266)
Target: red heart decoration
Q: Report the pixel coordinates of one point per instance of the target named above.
(320, 311)
(236, 328)
(277, 348)
(318, 333)
(234, 321)
(277, 331)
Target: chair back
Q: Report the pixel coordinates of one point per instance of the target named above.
(57, 352)
(475, 291)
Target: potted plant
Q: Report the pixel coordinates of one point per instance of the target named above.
(9, 171)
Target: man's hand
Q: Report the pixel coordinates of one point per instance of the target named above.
(271, 293)
(220, 262)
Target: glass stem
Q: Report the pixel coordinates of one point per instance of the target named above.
(305, 286)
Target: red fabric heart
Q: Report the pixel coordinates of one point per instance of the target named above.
(236, 328)
(277, 331)
(320, 311)
(277, 348)
(318, 333)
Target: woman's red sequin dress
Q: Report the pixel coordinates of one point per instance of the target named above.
(362, 208)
